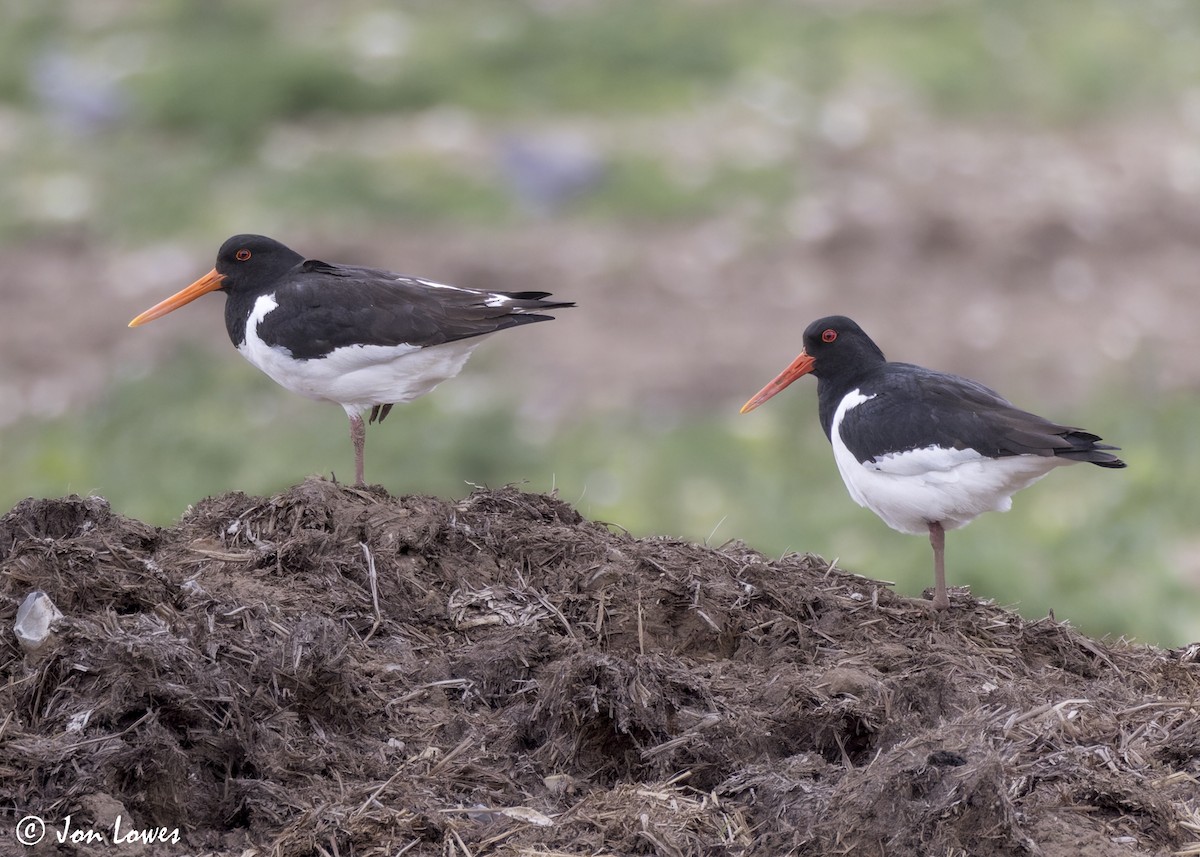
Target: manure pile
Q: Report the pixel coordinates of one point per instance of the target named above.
(334, 671)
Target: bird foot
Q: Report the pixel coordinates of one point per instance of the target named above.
(930, 599)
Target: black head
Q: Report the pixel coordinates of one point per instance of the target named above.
(834, 348)
(253, 261)
(246, 265)
(838, 346)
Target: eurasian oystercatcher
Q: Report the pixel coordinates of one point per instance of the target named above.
(925, 451)
(364, 338)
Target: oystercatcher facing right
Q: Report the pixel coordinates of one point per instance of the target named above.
(362, 337)
(925, 451)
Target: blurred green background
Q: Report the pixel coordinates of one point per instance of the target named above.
(1005, 190)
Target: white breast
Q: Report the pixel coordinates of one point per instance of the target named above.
(356, 376)
(911, 489)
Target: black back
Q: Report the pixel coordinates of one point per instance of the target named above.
(911, 407)
(324, 306)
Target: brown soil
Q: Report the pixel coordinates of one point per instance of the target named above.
(334, 671)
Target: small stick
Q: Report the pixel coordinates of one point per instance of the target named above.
(373, 579)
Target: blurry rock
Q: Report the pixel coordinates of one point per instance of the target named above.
(83, 96)
(547, 172)
(35, 617)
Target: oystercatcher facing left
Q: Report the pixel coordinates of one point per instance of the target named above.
(361, 337)
(925, 451)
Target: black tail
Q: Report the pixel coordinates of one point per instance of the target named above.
(533, 300)
(380, 412)
(1084, 447)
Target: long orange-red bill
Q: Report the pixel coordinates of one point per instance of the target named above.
(799, 367)
(210, 282)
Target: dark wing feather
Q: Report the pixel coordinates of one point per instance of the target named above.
(334, 306)
(916, 407)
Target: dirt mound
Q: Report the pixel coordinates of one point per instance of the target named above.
(334, 671)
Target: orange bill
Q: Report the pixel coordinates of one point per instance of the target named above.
(799, 367)
(210, 282)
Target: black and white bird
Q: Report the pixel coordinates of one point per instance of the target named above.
(925, 451)
(364, 338)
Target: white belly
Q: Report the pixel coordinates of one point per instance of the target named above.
(909, 490)
(357, 377)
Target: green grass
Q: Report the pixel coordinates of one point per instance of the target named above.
(225, 71)
(1100, 547)
(207, 84)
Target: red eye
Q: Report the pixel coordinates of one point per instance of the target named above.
(829, 335)
(244, 254)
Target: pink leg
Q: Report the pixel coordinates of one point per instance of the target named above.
(937, 538)
(358, 436)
